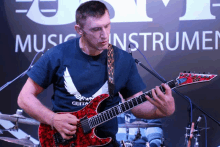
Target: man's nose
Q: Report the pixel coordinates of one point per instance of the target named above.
(104, 33)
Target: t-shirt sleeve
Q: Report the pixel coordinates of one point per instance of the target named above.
(43, 71)
(134, 83)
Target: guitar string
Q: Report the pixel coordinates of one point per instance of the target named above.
(109, 113)
(140, 100)
(125, 106)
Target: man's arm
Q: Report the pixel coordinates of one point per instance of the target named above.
(27, 100)
(161, 105)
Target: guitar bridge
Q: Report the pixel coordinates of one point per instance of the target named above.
(85, 125)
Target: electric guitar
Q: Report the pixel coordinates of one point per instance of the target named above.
(90, 118)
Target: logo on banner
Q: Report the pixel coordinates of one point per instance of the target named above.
(47, 23)
(65, 12)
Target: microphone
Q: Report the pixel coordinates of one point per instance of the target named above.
(129, 49)
(197, 122)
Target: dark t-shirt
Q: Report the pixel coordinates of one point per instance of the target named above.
(78, 78)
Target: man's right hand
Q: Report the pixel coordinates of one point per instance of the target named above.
(65, 124)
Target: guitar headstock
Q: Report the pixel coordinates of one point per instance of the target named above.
(191, 78)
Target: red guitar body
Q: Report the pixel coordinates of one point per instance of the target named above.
(46, 134)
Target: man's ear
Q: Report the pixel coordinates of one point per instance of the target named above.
(78, 29)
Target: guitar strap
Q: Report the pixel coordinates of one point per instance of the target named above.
(110, 68)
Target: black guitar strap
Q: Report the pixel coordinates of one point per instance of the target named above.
(110, 67)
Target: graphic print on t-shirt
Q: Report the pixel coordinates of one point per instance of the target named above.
(82, 100)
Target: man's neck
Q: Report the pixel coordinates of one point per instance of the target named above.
(87, 49)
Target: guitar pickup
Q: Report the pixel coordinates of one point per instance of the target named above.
(85, 125)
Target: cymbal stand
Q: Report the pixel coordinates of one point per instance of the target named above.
(127, 120)
(187, 135)
(14, 128)
(162, 142)
(196, 137)
(138, 135)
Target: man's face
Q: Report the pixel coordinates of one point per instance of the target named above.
(96, 31)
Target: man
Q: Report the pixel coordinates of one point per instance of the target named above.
(78, 71)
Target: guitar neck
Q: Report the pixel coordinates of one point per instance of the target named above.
(123, 107)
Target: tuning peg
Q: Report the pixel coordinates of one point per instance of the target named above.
(207, 76)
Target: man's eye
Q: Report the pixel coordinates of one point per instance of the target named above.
(96, 29)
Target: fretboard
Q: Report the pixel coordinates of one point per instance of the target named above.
(123, 107)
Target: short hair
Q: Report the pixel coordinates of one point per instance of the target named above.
(90, 9)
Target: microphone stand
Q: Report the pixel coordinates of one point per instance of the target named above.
(21, 75)
(8, 83)
(180, 94)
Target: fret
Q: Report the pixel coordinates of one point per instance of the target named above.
(134, 101)
(143, 98)
(110, 113)
(94, 121)
(150, 94)
(98, 119)
(122, 107)
(90, 123)
(137, 100)
(126, 106)
(101, 117)
(114, 111)
(140, 99)
(104, 116)
(130, 104)
(107, 114)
